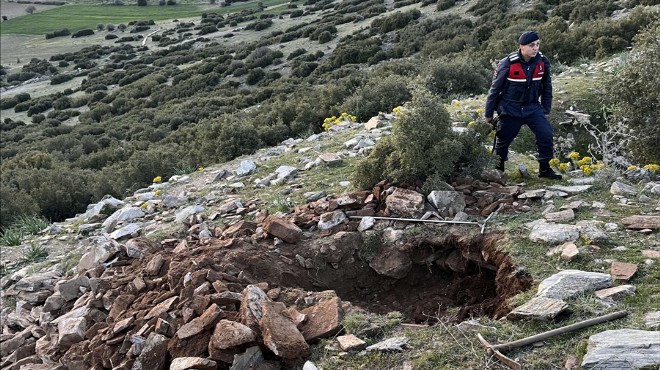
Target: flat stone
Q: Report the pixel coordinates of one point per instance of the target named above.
(569, 251)
(329, 220)
(571, 283)
(396, 344)
(405, 202)
(561, 216)
(246, 167)
(330, 159)
(162, 307)
(571, 190)
(366, 223)
(351, 343)
(197, 363)
(154, 353)
(648, 253)
(283, 229)
(539, 308)
(616, 293)
(250, 309)
(323, 319)
(279, 332)
(554, 233)
(228, 334)
(592, 231)
(623, 349)
(621, 188)
(652, 319)
(622, 271)
(199, 324)
(183, 215)
(641, 222)
(247, 360)
(71, 331)
(447, 203)
(532, 194)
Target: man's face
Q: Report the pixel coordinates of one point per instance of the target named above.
(530, 50)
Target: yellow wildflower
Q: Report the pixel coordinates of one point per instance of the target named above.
(563, 167)
(457, 104)
(652, 167)
(158, 192)
(143, 206)
(574, 155)
(598, 166)
(632, 168)
(585, 160)
(158, 180)
(470, 124)
(479, 111)
(200, 169)
(587, 169)
(554, 162)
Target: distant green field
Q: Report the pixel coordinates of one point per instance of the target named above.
(78, 17)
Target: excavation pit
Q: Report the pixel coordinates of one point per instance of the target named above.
(421, 276)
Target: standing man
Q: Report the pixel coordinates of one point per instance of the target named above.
(521, 93)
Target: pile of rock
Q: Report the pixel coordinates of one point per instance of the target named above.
(172, 305)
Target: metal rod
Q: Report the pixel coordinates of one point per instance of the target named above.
(418, 220)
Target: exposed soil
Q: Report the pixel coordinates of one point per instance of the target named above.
(454, 270)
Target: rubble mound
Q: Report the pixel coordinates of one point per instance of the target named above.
(258, 292)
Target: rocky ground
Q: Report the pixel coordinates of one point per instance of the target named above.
(264, 262)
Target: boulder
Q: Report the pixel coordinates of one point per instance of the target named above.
(406, 203)
(279, 332)
(323, 319)
(571, 283)
(283, 229)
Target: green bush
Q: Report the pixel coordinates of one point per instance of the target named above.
(459, 76)
(380, 94)
(422, 144)
(85, 32)
(634, 94)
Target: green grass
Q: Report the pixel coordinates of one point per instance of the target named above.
(25, 225)
(78, 17)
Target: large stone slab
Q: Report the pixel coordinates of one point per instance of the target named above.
(539, 308)
(448, 203)
(641, 222)
(283, 229)
(280, 333)
(323, 319)
(228, 334)
(406, 203)
(554, 233)
(571, 190)
(623, 349)
(570, 283)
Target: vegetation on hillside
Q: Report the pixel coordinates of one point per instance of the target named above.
(140, 113)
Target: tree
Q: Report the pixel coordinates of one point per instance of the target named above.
(30, 9)
(142, 2)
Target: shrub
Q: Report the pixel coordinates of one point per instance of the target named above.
(377, 95)
(61, 78)
(254, 76)
(454, 77)
(81, 33)
(62, 32)
(422, 144)
(633, 93)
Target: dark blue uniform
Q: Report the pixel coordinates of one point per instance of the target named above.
(521, 93)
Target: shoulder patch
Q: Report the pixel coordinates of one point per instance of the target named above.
(513, 57)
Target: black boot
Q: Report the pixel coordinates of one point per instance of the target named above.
(500, 165)
(547, 172)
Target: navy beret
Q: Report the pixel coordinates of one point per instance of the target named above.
(528, 37)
